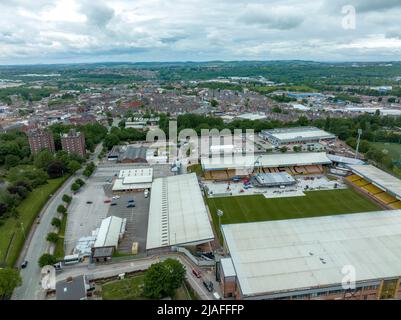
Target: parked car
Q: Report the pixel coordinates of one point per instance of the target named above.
(216, 296)
(107, 201)
(89, 202)
(131, 201)
(24, 264)
(196, 273)
(146, 193)
(208, 285)
(113, 204)
(116, 197)
(131, 205)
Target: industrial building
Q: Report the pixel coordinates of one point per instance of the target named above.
(225, 168)
(39, 140)
(177, 214)
(295, 136)
(310, 258)
(137, 179)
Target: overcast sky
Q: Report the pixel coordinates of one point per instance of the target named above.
(55, 31)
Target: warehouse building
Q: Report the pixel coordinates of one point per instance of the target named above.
(310, 258)
(177, 214)
(137, 179)
(296, 136)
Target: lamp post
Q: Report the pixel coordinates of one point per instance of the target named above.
(220, 213)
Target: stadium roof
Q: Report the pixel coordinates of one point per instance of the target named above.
(177, 213)
(267, 160)
(379, 178)
(280, 256)
(344, 160)
(109, 232)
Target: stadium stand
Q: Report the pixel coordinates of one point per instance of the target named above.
(371, 189)
(361, 182)
(353, 178)
(396, 205)
(385, 198)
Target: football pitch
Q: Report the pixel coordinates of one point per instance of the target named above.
(316, 203)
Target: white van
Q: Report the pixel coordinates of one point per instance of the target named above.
(146, 193)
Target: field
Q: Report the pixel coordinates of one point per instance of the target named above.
(316, 203)
(14, 231)
(392, 149)
(131, 289)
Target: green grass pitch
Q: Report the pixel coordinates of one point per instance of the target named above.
(316, 203)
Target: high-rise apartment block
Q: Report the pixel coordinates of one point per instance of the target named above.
(74, 142)
(39, 140)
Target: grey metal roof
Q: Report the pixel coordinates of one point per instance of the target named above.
(278, 256)
(71, 290)
(134, 153)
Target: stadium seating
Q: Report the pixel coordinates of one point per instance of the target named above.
(396, 205)
(353, 178)
(219, 175)
(361, 182)
(208, 175)
(370, 188)
(385, 198)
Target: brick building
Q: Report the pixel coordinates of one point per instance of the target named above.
(39, 140)
(74, 142)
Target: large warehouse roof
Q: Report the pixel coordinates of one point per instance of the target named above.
(131, 179)
(303, 133)
(275, 256)
(177, 213)
(381, 179)
(267, 160)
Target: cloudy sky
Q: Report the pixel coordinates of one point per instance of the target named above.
(58, 31)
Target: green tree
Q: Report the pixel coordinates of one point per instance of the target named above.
(11, 161)
(283, 149)
(75, 187)
(61, 209)
(56, 222)
(9, 280)
(43, 159)
(66, 198)
(163, 279)
(47, 259)
(52, 237)
(214, 103)
(73, 166)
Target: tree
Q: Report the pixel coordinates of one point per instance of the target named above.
(163, 278)
(214, 103)
(75, 187)
(80, 182)
(52, 237)
(56, 222)
(43, 159)
(297, 148)
(73, 166)
(9, 280)
(283, 149)
(47, 259)
(61, 209)
(111, 140)
(66, 198)
(56, 169)
(11, 161)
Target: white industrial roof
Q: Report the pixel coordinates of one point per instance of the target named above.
(136, 175)
(120, 185)
(177, 213)
(228, 267)
(301, 133)
(252, 116)
(345, 160)
(295, 254)
(267, 160)
(109, 232)
(380, 178)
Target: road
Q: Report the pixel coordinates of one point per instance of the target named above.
(36, 243)
(115, 268)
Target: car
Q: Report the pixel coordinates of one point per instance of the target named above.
(24, 264)
(131, 205)
(196, 273)
(216, 296)
(116, 197)
(113, 204)
(107, 201)
(146, 193)
(208, 285)
(89, 202)
(131, 201)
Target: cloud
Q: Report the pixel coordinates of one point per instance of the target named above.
(142, 30)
